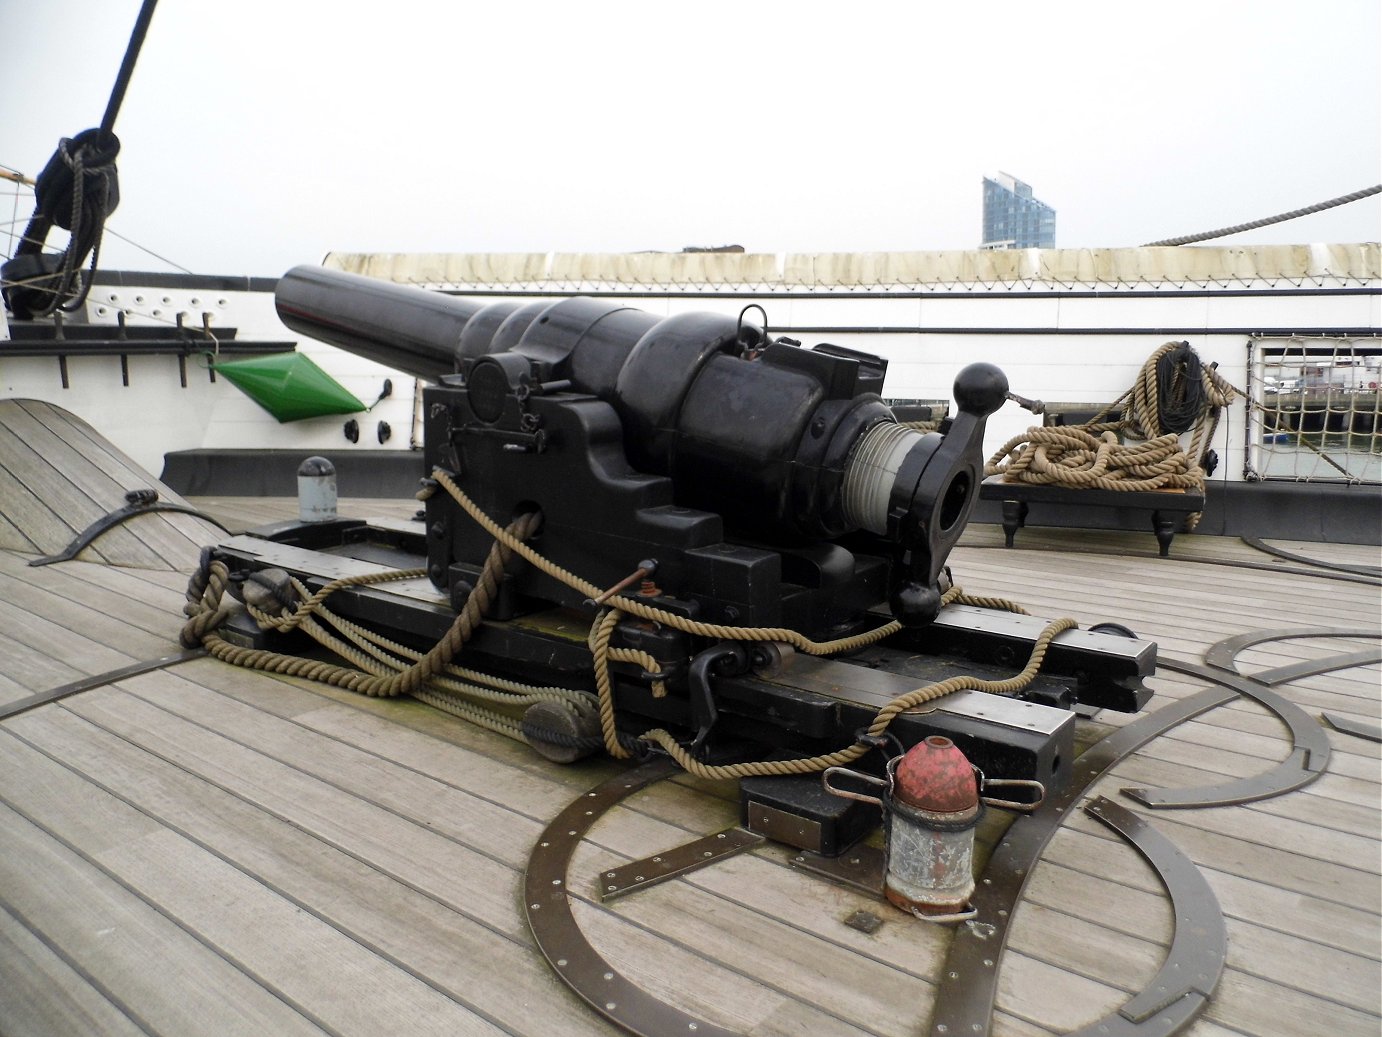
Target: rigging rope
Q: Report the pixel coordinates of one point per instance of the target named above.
(1268, 221)
(77, 190)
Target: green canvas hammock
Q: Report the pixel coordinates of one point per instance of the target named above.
(289, 386)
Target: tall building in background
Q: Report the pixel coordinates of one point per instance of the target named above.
(1013, 218)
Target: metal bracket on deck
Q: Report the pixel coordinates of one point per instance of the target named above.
(1222, 655)
(1308, 759)
(680, 860)
(1310, 745)
(547, 902)
(100, 680)
(965, 997)
(140, 502)
(1357, 728)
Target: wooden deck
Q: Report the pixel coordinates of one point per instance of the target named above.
(207, 850)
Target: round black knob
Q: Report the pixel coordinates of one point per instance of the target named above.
(980, 389)
(914, 604)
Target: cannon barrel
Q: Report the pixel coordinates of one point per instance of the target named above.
(400, 327)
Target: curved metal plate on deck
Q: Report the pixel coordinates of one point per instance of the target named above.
(1223, 654)
(678, 861)
(11, 709)
(969, 980)
(1308, 760)
(1291, 556)
(1191, 971)
(1371, 732)
(548, 907)
(1315, 667)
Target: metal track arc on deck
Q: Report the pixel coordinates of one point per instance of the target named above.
(969, 982)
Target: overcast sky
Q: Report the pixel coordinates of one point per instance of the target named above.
(263, 133)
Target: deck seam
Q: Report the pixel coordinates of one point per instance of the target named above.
(882, 963)
(519, 940)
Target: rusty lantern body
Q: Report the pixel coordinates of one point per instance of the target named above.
(932, 810)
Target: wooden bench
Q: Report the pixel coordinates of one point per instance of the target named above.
(1166, 507)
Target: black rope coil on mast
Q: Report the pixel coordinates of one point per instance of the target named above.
(77, 190)
(1180, 390)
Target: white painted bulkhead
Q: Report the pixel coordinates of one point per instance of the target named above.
(1067, 326)
(155, 413)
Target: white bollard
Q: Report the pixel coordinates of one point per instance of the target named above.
(317, 490)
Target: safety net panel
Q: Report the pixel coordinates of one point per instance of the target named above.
(1315, 415)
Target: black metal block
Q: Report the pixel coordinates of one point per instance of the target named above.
(796, 810)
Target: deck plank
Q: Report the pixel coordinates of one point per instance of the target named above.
(175, 537)
(450, 811)
(395, 836)
(1303, 961)
(131, 949)
(58, 476)
(43, 994)
(1074, 877)
(92, 641)
(302, 960)
(420, 933)
(29, 667)
(42, 477)
(136, 603)
(26, 513)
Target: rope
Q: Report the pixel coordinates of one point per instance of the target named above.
(382, 668)
(644, 611)
(603, 628)
(1174, 393)
(76, 191)
(885, 716)
(386, 669)
(1268, 221)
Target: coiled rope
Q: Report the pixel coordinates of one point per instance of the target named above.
(1174, 393)
(382, 668)
(389, 669)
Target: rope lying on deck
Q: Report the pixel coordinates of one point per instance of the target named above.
(387, 669)
(1174, 394)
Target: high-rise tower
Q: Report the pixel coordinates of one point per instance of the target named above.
(1013, 218)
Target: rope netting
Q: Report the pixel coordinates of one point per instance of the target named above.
(1317, 411)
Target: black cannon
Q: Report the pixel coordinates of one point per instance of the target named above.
(769, 482)
(721, 481)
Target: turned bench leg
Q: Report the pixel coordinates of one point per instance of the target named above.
(1014, 515)
(1165, 530)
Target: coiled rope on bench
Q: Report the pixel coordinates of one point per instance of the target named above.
(1174, 393)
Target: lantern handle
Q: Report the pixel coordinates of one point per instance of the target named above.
(868, 779)
(1016, 783)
